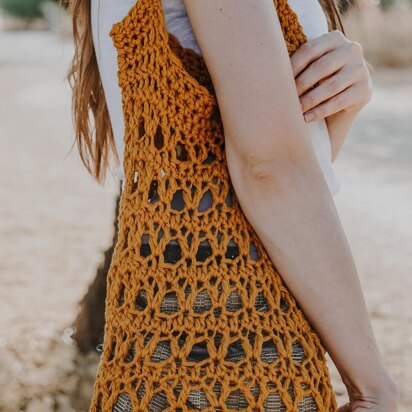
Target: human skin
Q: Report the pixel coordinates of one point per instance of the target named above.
(282, 190)
(338, 69)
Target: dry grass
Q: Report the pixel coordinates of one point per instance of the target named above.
(385, 36)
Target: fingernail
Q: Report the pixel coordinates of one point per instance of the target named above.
(309, 116)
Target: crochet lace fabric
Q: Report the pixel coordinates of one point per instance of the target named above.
(197, 316)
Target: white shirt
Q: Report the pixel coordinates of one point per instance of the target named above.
(105, 13)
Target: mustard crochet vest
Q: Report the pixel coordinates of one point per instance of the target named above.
(197, 316)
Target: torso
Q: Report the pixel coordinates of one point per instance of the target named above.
(197, 316)
(106, 12)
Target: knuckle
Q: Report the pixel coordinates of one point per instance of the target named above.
(361, 68)
(319, 111)
(302, 49)
(338, 34)
(338, 102)
(308, 47)
(332, 84)
(306, 101)
(356, 47)
(321, 65)
(300, 83)
(312, 99)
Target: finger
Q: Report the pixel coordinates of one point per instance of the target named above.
(323, 67)
(314, 48)
(335, 104)
(327, 89)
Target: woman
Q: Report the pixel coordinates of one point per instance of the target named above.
(224, 293)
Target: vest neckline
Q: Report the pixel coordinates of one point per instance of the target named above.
(157, 6)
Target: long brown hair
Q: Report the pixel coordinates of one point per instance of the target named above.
(93, 131)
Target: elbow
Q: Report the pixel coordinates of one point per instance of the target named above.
(272, 166)
(266, 177)
(273, 175)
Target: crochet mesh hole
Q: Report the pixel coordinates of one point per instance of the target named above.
(170, 304)
(210, 158)
(269, 351)
(158, 403)
(123, 403)
(206, 201)
(291, 390)
(261, 303)
(126, 239)
(236, 400)
(182, 339)
(274, 403)
(120, 298)
(253, 252)
(141, 300)
(112, 349)
(252, 338)
(153, 196)
(158, 139)
(198, 353)
(99, 402)
(203, 302)
(145, 249)
(130, 354)
(178, 201)
(141, 391)
(235, 352)
(255, 389)
(172, 253)
(217, 340)
(307, 404)
(298, 353)
(204, 251)
(181, 152)
(197, 400)
(232, 250)
(229, 200)
(135, 181)
(160, 234)
(189, 239)
(142, 130)
(161, 352)
(283, 305)
(217, 389)
(234, 302)
(177, 389)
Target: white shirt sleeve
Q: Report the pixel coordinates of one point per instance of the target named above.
(105, 13)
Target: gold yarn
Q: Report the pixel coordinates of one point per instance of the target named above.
(258, 351)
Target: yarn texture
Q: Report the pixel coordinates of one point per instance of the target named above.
(197, 316)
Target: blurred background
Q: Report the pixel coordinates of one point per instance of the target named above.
(57, 224)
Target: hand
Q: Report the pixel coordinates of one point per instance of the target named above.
(382, 400)
(331, 75)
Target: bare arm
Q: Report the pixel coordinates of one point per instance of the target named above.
(279, 183)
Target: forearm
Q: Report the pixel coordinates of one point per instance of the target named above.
(295, 217)
(339, 125)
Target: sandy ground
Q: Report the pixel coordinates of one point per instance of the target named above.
(55, 221)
